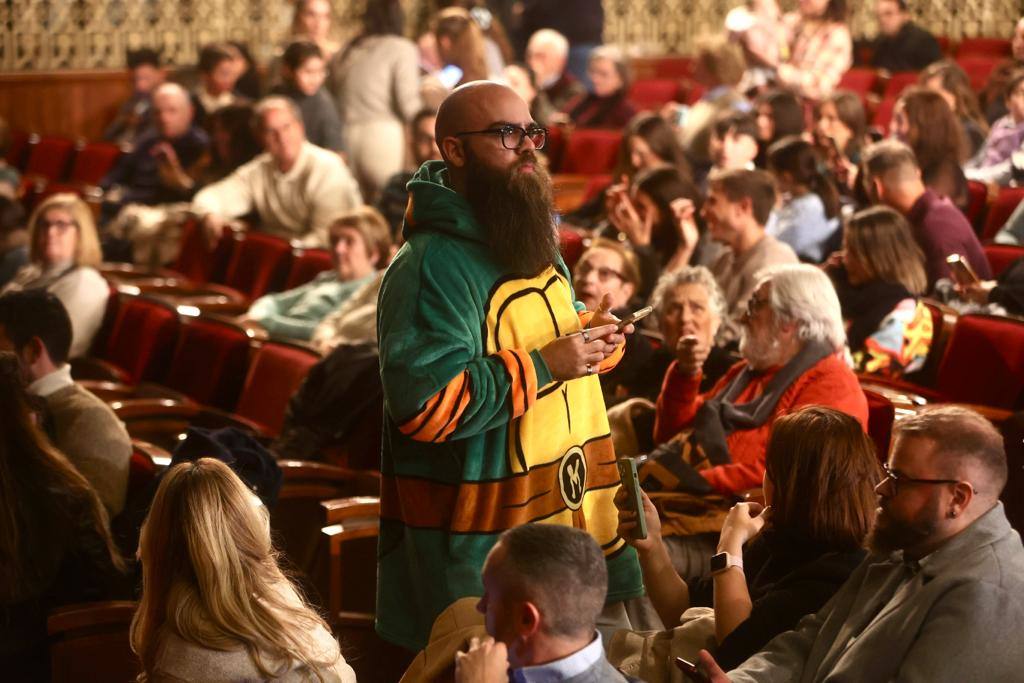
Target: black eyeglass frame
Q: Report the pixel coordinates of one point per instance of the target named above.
(894, 477)
(506, 130)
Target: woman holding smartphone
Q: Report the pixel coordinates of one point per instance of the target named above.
(781, 561)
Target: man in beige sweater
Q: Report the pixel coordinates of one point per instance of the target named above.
(35, 326)
(296, 188)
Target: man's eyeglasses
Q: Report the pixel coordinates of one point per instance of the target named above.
(896, 478)
(603, 274)
(512, 136)
(754, 305)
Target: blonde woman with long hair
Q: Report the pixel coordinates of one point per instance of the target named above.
(64, 250)
(215, 605)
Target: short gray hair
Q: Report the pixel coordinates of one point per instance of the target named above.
(688, 275)
(562, 571)
(174, 89)
(959, 432)
(272, 103)
(551, 38)
(803, 294)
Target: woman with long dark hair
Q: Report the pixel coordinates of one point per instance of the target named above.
(55, 543)
(840, 134)
(926, 123)
(948, 78)
(809, 212)
(780, 114)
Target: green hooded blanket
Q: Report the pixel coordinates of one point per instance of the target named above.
(477, 436)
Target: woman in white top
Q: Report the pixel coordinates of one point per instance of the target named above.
(215, 606)
(64, 251)
(375, 82)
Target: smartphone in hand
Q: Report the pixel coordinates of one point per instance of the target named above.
(633, 317)
(691, 671)
(961, 270)
(631, 484)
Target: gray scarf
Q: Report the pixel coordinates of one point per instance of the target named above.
(719, 417)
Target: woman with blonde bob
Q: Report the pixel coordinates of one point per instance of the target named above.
(64, 250)
(215, 605)
(879, 283)
(783, 559)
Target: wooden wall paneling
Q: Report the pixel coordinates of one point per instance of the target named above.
(69, 103)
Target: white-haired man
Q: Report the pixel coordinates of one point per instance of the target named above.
(792, 338)
(296, 188)
(941, 596)
(547, 54)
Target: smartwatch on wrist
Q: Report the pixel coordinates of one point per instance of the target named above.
(722, 561)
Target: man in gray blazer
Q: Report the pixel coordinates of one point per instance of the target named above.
(544, 589)
(941, 596)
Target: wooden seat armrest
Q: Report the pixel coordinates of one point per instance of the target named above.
(88, 614)
(96, 369)
(143, 408)
(339, 510)
(354, 620)
(107, 390)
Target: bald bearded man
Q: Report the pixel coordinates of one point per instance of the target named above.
(493, 410)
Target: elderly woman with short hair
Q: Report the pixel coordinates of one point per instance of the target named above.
(792, 340)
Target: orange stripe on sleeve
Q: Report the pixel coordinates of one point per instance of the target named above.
(456, 414)
(523, 379)
(411, 426)
(440, 417)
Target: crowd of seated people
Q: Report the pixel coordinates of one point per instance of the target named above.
(791, 243)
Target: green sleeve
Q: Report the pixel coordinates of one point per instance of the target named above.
(438, 385)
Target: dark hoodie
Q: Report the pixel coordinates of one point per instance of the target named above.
(477, 436)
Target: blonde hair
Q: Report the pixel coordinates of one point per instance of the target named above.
(468, 46)
(211, 575)
(881, 240)
(630, 265)
(373, 228)
(87, 251)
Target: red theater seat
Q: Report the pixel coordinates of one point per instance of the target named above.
(984, 362)
(977, 200)
(90, 641)
(881, 415)
(883, 114)
(48, 158)
(978, 68)
(209, 361)
(985, 47)
(306, 265)
(259, 264)
(1000, 256)
(859, 80)
(651, 94)
(17, 149)
(898, 82)
(1000, 210)
(93, 160)
(591, 151)
(142, 335)
(275, 373)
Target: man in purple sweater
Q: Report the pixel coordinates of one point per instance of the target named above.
(894, 178)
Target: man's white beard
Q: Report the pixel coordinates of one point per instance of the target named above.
(760, 353)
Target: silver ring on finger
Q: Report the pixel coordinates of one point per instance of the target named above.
(590, 369)
(586, 336)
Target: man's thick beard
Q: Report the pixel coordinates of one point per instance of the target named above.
(760, 353)
(516, 210)
(888, 535)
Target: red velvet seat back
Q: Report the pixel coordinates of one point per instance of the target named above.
(650, 94)
(591, 151)
(571, 245)
(274, 376)
(861, 81)
(209, 362)
(977, 198)
(49, 157)
(141, 337)
(898, 82)
(17, 150)
(306, 265)
(984, 362)
(258, 264)
(978, 68)
(1000, 256)
(984, 47)
(93, 161)
(881, 415)
(883, 114)
(1002, 207)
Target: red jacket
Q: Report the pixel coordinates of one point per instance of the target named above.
(828, 383)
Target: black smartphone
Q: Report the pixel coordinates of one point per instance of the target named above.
(633, 317)
(631, 483)
(691, 671)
